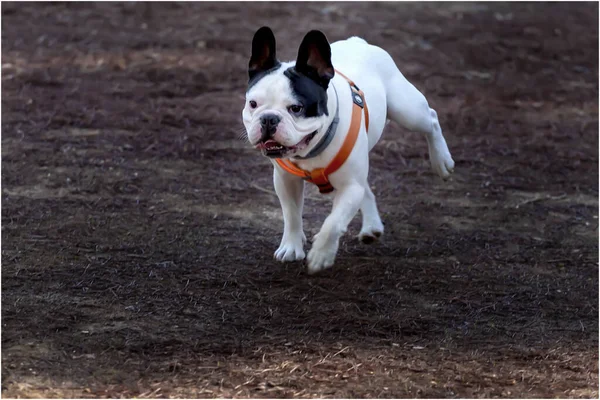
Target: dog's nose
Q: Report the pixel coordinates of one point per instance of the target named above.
(268, 125)
(269, 120)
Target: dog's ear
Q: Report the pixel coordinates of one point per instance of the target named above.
(263, 52)
(314, 58)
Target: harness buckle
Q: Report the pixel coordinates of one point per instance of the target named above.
(357, 96)
(319, 178)
(358, 100)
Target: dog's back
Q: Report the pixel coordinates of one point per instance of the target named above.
(370, 67)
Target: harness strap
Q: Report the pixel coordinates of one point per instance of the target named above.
(360, 92)
(349, 142)
(319, 176)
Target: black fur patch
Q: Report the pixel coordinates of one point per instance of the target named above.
(309, 93)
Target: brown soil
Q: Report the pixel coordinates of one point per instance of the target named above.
(138, 230)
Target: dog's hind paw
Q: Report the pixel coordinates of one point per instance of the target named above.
(369, 236)
(441, 160)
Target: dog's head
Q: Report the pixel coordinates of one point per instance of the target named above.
(286, 103)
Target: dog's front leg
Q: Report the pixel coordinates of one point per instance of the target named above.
(290, 190)
(325, 243)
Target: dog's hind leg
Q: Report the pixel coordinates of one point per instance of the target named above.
(409, 108)
(372, 227)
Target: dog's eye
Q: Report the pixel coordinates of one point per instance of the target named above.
(296, 109)
(253, 104)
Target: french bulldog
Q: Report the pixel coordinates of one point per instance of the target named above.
(289, 113)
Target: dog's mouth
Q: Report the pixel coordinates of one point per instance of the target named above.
(273, 149)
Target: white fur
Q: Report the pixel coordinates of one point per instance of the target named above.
(389, 96)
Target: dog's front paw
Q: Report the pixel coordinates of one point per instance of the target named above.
(321, 257)
(290, 250)
(441, 160)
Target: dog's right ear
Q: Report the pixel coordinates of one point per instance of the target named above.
(263, 52)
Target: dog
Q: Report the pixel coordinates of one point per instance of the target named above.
(318, 123)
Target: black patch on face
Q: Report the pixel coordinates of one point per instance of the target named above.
(310, 94)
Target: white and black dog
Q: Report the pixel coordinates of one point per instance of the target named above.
(302, 112)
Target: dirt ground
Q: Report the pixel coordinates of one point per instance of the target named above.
(138, 229)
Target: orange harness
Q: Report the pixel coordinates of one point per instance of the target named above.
(320, 176)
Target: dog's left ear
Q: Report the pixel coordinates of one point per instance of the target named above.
(314, 58)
